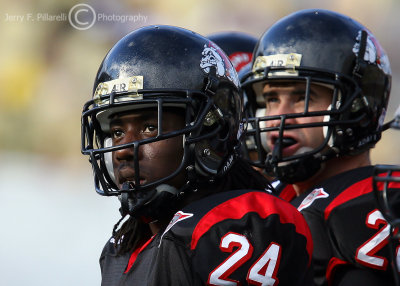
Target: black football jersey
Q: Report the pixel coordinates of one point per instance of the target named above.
(349, 233)
(231, 238)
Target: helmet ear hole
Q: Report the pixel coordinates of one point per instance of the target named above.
(211, 153)
(207, 160)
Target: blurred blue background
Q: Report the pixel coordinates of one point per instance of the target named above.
(53, 225)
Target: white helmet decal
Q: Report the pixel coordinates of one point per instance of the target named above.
(374, 54)
(212, 56)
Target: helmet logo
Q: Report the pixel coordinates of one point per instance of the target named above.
(288, 61)
(212, 56)
(374, 53)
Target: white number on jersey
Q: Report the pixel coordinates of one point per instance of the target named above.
(262, 272)
(366, 253)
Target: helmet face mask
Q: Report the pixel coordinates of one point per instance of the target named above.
(260, 126)
(318, 47)
(386, 183)
(99, 142)
(386, 188)
(204, 93)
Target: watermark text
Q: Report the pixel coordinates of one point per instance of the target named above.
(81, 17)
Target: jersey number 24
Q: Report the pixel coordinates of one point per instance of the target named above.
(262, 272)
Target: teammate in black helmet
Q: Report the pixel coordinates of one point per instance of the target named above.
(320, 85)
(162, 132)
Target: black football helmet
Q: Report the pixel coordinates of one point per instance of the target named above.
(164, 67)
(386, 186)
(238, 46)
(329, 49)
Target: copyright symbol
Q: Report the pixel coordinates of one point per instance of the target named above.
(82, 16)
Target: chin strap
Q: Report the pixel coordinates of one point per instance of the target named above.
(132, 200)
(149, 204)
(298, 170)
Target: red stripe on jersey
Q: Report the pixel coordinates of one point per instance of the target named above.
(288, 193)
(358, 189)
(259, 202)
(135, 253)
(330, 270)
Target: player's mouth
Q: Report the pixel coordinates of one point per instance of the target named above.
(288, 144)
(127, 174)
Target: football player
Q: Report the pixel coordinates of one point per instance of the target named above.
(321, 83)
(162, 132)
(386, 184)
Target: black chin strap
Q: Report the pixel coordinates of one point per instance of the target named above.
(151, 204)
(132, 201)
(124, 199)
(297, 171)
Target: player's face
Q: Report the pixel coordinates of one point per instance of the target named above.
(286, 98)
(156, 160)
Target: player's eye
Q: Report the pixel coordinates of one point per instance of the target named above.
(271, 99)
(150, 129)
(301, 97)
(117, 133)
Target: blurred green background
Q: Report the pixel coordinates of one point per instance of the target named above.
(53, 225)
